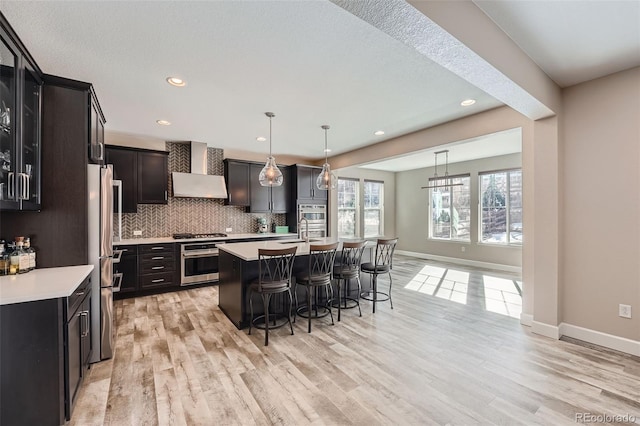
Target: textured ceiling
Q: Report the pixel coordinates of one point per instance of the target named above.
(310, 62)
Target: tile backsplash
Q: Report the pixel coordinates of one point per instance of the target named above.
(197, 215)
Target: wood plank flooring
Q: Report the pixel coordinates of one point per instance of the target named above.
(430, 360)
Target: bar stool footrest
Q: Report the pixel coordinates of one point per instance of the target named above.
(281, 320)
(323, 311)
(368, 295)
(346, 303)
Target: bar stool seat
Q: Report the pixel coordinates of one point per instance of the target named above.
(382, 264)
(274, 277)
(321, 258)
(347, 269)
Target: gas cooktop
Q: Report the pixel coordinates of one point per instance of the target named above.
(188, 235)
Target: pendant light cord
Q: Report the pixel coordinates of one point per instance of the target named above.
(326, 158)
(270, 117)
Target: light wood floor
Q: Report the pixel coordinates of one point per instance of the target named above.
(179, 361)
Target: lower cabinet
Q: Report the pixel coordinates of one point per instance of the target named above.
(128, 267)
(146, 267)
(44, 351)
(78, 344)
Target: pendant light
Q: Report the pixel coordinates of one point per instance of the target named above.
(326, 179)
(446, 178)
(270, 175)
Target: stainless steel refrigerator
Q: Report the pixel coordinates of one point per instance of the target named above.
(100, 212)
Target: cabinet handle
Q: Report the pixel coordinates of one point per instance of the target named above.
(157, 267)
(101, 151)
(26, 179)
(157, 258)
(11, 182)
(158, 281)
(84, 316)
(157, 248)
(80, 293)
(166, 196)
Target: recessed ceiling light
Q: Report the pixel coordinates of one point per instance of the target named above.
(379, 132)
(468, 102)
(163, 122)
(261, 139)
(175, 81)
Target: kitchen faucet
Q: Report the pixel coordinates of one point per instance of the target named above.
(306, 237)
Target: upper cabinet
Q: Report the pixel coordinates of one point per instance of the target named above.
(304, 185)
(144, 175)
(20, 124)
(96, 131)
(244, 188)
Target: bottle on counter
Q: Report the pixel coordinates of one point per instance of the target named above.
(31, 253)
(23, 256)
(4, 260)
(14, 259)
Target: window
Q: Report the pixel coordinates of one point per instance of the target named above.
(373, 208)
(501, 207)
(347, 207)
(450, 209)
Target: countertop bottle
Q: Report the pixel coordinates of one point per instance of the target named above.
(31, 253)
(14, 259)
(23, 256)
(4, 260)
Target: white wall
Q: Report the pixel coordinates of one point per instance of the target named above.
(601, 253)
(412, 214)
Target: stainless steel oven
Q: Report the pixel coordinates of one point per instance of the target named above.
(316, 215)
(198, 263)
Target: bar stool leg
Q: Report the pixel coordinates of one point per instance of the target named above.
(390, 284)
(328, 288)
(375, 291)
(359, 291)
(251, 307)
(339, 310)
(265, 300)
(309, 308)
(295, 293)
(290, 308)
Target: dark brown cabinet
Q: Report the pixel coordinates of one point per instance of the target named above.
(265, 199)
(156, 266)
(153, 179)
(304, 184)
(20, 124)
(128, 267)
(236, 176)
(144, 175)
(96, 131)
(244, 188)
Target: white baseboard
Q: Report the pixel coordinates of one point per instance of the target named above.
(601, 339)
(526, 319)
(467, 262)
(552, 331)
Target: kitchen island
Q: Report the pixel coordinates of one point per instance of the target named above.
(238, 266)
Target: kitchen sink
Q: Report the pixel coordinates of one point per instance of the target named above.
(312, 240)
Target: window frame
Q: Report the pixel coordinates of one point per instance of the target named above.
(380, 208)
(508, 241)
(355, 209)
(430, 227)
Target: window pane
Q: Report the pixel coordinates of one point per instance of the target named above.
(515, 206)
(346, 223)
(371, 223)
(450, 209)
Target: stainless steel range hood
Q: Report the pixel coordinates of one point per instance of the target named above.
(198, 184)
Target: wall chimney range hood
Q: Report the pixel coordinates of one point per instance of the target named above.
(198, 184)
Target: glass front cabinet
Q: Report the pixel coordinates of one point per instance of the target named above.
(20, 126)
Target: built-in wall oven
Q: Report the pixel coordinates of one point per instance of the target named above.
(316, 215)
(198, 263)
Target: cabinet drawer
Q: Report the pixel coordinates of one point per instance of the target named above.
(155, 248)
(162, 257)
(127, 251)
(153, 267)
(163, 279)
(74, 301)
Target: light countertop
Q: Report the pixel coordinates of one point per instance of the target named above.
(164, 240)
(249, 250)
(42, 284)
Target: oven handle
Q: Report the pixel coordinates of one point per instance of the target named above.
(200, 253)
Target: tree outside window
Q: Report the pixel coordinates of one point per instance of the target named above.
(501, 207)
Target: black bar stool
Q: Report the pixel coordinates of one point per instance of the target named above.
(321, 258)
(346, 270)
(383, 264)
(274, 277)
